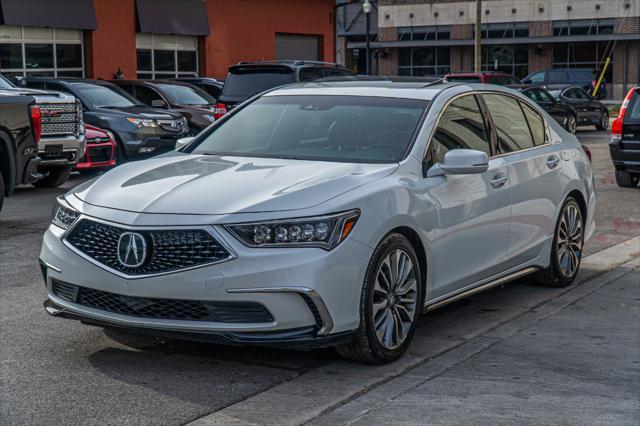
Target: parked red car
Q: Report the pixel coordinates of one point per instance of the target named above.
(488, 77)
(101, 149)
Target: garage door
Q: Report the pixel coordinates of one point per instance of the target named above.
(295, 46)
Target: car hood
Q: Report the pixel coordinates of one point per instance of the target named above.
(180, 183)
(142, 111)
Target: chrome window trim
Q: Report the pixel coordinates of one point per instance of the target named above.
(481, 92)
(210, 229)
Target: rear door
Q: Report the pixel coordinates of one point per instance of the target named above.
(534, 167)
(473, 210)
(631, 125)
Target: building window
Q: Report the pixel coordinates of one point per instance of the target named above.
(581, 55)
(166, 56)
(424, 61)
(441, 32)
(512, 59)
(504, 30)
(35, 51)
(583, 27)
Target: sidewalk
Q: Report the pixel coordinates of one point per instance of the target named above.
(578, 365)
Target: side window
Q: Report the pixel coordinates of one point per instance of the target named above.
(581, 94)
(556, 77)
(533, 94)
(570, 94)
(461, 126)
(536, 124)
(310, 74)
(545, 96)
(511, 127)
(537, 77)
(147, 95)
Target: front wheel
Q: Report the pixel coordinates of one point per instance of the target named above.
(566, 252)
(604, 121)
(390, 304)
(571, 124)
(54, 177)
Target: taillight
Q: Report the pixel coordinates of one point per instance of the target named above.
(36, 123)
(587, 151)
(219, 110)
(616, 127)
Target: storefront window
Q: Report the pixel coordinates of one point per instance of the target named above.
(505, 30)
(583, 27)
(166, 56)
(586, 54)
(441, 32)
(424, 61)
(34, 51)
(510, 59)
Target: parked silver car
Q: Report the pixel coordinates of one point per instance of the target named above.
(326, 214)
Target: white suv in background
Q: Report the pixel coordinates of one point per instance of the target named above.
(326, 214)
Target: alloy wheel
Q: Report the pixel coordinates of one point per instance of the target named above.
(569, 240)
(604, 121)
(571, 124)
(394, 299)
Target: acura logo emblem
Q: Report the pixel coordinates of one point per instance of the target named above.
(132, 249)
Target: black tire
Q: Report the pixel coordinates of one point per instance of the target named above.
(603, 123)
(54, 177)
(365, 345)
(1, 191)
(555, 275)
(571, 124)
(625, 179)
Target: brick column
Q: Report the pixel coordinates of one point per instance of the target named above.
(626, 53)
(540, 55)
(388, 60)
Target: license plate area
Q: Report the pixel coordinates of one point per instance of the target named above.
(53, 151)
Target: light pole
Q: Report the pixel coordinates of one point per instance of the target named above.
(366, 8)
(478, 50)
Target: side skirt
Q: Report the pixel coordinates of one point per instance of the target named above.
(486, 286)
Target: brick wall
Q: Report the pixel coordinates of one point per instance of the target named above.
(388, 65)
(629, 25)
(462, 59)
(462, 31)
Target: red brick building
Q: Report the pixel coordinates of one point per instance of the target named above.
(158, 38)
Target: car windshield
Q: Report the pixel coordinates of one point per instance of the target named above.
(316, 127)
(248, 83)
(463, 79)
(5, 84)
(185, 95)
(104, 97)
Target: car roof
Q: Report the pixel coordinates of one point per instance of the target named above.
(477, 74)
(290, 64)
(68, 80)
(387, 89)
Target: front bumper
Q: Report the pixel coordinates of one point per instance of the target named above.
(148, 142)
(312, 294)
(67, 149)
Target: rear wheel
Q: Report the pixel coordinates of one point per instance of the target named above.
(566, 253)
(390, 304)
(53, 177)
(625, 179)
(604, 121)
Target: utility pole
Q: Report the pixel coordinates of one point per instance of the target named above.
(478, 48)
(366, 8)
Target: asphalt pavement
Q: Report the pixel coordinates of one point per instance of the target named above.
(59, 371)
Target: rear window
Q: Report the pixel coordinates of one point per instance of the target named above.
(634, 106)
(463, 79)
(245, 83)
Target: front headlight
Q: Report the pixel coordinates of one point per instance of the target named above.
(142, 122)
(209, 118)
(325, 232)
(63, 215)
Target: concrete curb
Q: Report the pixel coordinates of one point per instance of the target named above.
(323, 390)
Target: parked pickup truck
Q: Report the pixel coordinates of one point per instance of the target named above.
(62, 141)
(19, 133)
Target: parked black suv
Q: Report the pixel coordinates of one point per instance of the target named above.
(140, 131)
(196, 105)
(625, 141)
(20, 127)
(210, 85)
(250, 78)
(583, 77)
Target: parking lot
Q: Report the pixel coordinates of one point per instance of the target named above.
(58, 371)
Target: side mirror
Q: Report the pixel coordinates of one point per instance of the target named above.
(461, 162)
(182, 142)
(158, 103)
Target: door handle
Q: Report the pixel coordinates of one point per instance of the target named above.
(552, 161)
(499, 180)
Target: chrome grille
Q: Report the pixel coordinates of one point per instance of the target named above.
(168, 309)
(59, 119)
(169, 250)
(176, 126)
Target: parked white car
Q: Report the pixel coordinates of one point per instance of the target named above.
(326, 214)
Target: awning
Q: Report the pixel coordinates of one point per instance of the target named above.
(74, 14)
(187, 17)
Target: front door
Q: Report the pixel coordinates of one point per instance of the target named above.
(472, 219)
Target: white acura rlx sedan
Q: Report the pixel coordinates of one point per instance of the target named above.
(326, 214)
